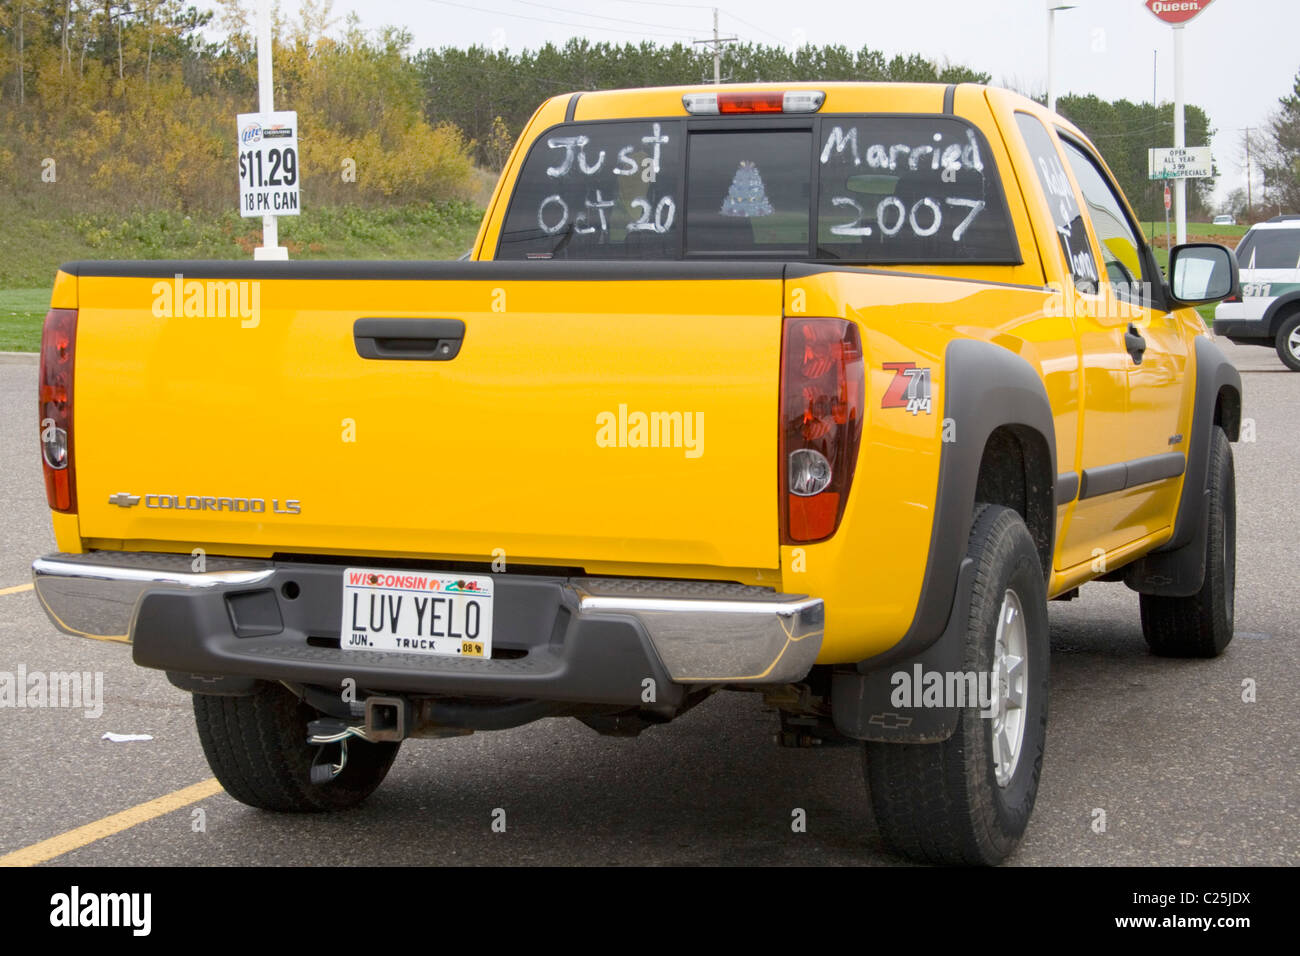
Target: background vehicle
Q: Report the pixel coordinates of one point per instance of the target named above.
(814, 391)
(1224, 221)
(1267, 312)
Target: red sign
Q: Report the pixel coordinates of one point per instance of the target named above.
(1176, 11)
(1168, 202)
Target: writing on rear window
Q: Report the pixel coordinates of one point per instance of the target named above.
(889, 188)
(909, 189)
(600, 190)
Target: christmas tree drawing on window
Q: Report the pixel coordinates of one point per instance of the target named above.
(747, 197)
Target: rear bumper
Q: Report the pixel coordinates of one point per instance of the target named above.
(583, 639)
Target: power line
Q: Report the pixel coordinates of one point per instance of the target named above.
(563, 23)
(598, 16)
(657, 3)
(702, 6)
(755, 26)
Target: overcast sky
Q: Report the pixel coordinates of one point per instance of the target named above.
(1242, 55)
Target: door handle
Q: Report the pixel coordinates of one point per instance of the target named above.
(1135, 344)
(427, 340)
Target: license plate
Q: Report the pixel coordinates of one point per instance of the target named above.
(416, 612)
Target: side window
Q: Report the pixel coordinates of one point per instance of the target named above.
(1121, 249)
(1066, 215)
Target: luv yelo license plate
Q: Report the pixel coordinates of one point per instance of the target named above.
(416, 612)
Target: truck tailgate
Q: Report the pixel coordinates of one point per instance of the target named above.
(269, 433)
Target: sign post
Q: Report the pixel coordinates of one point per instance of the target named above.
(1169, 243)
(1177, 13)
(268, 152)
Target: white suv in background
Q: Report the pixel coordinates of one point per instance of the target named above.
(1268, 312)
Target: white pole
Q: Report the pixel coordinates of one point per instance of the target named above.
(717, 51)
(1051, 50)
(1180, 136)
(270, 247)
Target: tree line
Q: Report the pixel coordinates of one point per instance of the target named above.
(134, 103)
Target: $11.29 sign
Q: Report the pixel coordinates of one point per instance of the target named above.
(268, 164)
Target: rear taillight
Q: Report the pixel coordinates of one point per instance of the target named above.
(823, 384)
(58, 352)
(1233, 298)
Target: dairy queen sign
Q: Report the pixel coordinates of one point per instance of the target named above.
(1176, 11)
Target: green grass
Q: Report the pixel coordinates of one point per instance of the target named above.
(21, 312)
(1194, 229)
(38, 237)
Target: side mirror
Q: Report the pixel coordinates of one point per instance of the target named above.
(1202, 272)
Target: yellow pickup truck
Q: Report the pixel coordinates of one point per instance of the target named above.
(821, 391)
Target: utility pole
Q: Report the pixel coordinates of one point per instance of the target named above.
(1249, 198)
(1155, 105)
(1180, 134)
(716, 43)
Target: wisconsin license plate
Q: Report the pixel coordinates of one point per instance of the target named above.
(415, 612)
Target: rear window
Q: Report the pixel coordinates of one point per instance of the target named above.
(865, 189)
(1270, 249)
(598, 191)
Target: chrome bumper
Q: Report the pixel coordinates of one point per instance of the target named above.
(702, 632)
(96, 594)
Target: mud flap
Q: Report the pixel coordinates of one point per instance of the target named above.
(864, 706)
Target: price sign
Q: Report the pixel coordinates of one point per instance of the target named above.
(1188, 162)
(268, 164)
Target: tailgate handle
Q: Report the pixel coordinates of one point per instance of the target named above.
(427, 340)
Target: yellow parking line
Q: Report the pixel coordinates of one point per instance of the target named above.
(15, 589)
(110, 825)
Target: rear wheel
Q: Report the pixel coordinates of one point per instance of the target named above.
(968, 799)
(257, 749)
(1201, 625)
(1288, 343)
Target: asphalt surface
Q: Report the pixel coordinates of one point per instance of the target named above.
(1185, 771)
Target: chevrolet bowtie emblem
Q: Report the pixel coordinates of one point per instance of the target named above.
(123, 500)
(890, 720)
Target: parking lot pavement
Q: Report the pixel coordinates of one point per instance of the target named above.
(1167, 754)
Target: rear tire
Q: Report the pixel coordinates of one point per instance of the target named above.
(1201, 625)
(257, 749)
(1288, 343)
(967, 800)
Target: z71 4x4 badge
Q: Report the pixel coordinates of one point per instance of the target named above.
(910, 388)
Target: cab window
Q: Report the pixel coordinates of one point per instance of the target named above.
(1121, 249)
(1061, 200)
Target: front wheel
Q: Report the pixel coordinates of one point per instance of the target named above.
(257, 749)
(968, 799)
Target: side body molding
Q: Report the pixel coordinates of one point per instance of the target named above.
(1177, 568)
(986, 387)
